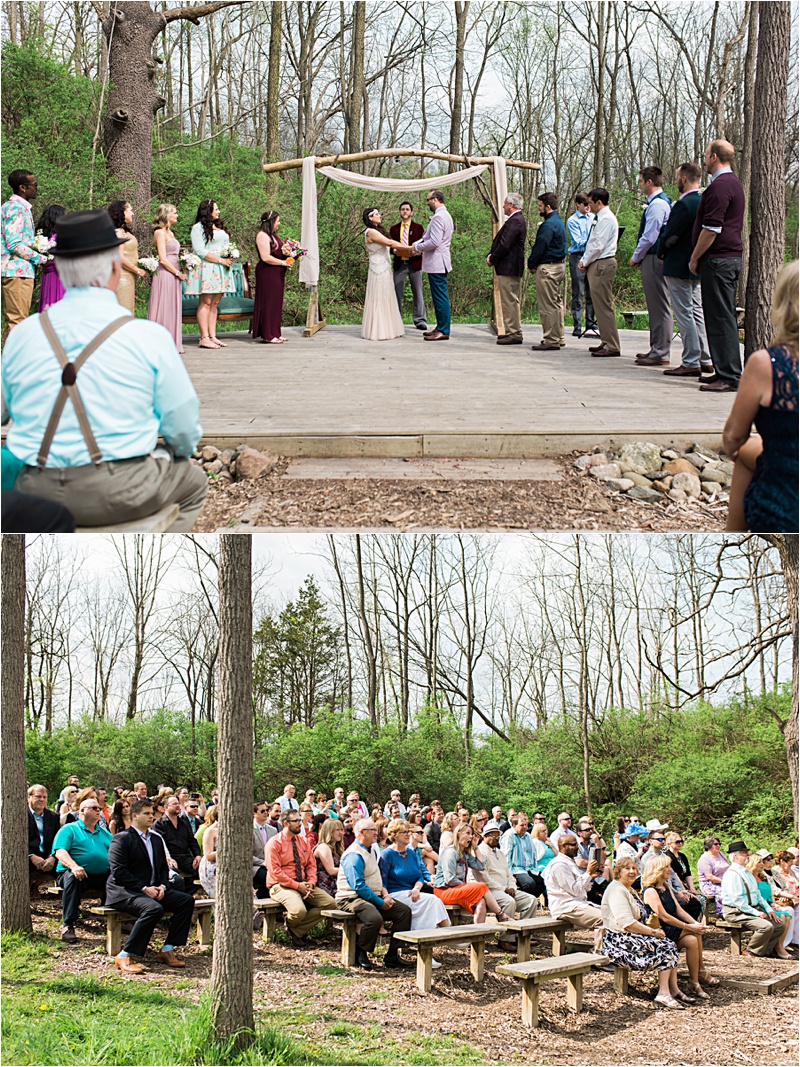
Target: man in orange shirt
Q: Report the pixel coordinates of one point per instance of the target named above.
(292, 879)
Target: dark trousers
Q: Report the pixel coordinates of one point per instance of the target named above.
(580, 289)
(260, 883)
(149, 911)
(76, 888)
(718, 280)
(441, 301)
(530, 882)
(693, 907)
(397, 919)
(25, 513)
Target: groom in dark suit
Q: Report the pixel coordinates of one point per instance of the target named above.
(139, 884)
(407, 232)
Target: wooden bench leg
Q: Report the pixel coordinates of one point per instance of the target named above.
(736, 943)
(559, 942)
(530, 1002)
(476, 960)
(523, 946)
(621, 975)
(114, 934)
(349, 936)
(424, 967)
(269, 922)
(575, 992)
(204, 928)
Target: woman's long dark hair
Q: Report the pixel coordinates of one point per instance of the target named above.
(47, 219)
(116, 814)
(268, 222)
(116, 210)
(371, 225)
(204, 217)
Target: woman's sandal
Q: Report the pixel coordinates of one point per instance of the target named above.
(684, 998)
(708, 979)
(275, 341)
(218, 343)
(211, 339)
(699, 992)
(668, 1002)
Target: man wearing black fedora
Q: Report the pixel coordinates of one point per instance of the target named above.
(90, 389)
(743, 905)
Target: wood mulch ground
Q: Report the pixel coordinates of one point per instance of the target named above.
(576, 503)
(327, 1003)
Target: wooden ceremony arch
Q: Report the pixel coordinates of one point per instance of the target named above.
(314, 318)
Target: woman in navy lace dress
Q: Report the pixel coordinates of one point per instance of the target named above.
(763, 495)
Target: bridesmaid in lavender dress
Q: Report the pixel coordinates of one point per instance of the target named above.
(270, 281)
(166, 297)
(52, 290)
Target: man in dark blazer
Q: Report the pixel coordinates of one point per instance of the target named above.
(407, 232)
(138, 883)
(507, 256)
(43, 825)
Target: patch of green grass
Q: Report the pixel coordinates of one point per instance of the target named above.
(328, 969)
(345, 1030)
(377, 995)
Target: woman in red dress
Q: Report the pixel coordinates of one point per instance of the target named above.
(270, 279)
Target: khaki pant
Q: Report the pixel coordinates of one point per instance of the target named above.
(302, 915)
(550, 297)
(523, 904)
(121, 490)
(601, 278)
(17, 293)
(766, 933)
(509, 289)
(585, 916)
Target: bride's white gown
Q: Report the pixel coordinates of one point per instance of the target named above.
(382, 319)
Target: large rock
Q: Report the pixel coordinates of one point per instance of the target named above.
(643, 456)
(689, 483)
(253, 464)
(680, 466)
(696, 461)
(703, 451)
(622, 484)
(637, 479)
(677, 494)
(605, 471)
(711, 475)
(641, 492)
(210, 453)
(214, 467)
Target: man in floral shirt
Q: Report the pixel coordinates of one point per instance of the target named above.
(17, 256)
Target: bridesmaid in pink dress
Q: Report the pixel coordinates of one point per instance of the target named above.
(166, 297)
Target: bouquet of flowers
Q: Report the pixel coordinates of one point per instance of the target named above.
(43, 244)
(190, 260)
(149, 263)
(292, 250)
(230, 252)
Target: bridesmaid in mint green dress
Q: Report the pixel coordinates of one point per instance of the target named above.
(213, 277)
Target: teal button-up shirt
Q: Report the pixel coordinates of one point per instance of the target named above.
(519, 851)
(740, 890)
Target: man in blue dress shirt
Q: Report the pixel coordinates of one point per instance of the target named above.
(654, 216)
(98, 454)
(579, 226)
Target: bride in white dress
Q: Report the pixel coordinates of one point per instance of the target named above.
(382, 319)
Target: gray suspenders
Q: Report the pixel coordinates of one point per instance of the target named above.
(69, 388)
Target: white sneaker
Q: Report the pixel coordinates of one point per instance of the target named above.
(435, 965)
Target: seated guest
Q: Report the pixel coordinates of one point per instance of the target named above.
(449, 823)
(65, 807)
(405, 876)
(73, 785)
(677, 924)
(89, 793)
(139, 791)
(292, 879)
(356, 805)
(786, 885)
(43, 825)
(328, 855)
(394, 799)
(348, 824)
(517, 845)
(629, 942)
(138, 883)
(450, 883)
(689, 899)
(120, 816)
(81, 849)
(505, 824)
(433, 830)
(565, 826)
(711, 866)
(107, 467)
(210, 817)
(191, 809)
(501, 882)
(567, 886)
(306, 816)
(274, 816)
(105, 810)
(633, 843)
(743, 905)
(312, 836)
(382, 838)
(360, 890)
(587, 846)
(542, 846)
(180, 841)
(207, 871)
(263, 832)
(311, 798)
(755, 864)
(427, 855)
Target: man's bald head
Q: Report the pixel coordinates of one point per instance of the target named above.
(723, 150)
(567, 841)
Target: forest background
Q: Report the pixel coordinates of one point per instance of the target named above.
(637, 676)
(591, 91)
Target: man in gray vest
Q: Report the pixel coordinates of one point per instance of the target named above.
(360, 890)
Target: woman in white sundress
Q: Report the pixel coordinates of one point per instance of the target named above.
(382, 319)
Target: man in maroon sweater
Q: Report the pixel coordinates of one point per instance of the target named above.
(717, 258)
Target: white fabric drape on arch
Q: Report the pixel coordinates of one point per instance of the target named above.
(309, 236)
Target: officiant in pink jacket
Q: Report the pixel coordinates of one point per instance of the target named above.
(435, 248)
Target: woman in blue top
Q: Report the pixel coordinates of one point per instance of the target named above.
(404, 874)
(213, 277)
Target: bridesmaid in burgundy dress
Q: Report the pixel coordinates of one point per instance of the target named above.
(270, 279)
(166, 297)
(52, 290)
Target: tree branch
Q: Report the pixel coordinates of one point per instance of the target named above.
(194, 14)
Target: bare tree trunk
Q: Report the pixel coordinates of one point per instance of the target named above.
(461, 10)
(273, 83)
(15, 905)
(768, 184)
(355, 110)
(369, 645)
(746, 157)
(232, 968)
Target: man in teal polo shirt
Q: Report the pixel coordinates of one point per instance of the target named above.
(81, 848)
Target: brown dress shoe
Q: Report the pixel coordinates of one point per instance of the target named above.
(648, 361)
(719, 386)
(542, 347)
(707, 379)
(509, 340)
(682, 372)
(127, 965)
(605, 352)
(437, 335)
(169, 958)
(596, 348)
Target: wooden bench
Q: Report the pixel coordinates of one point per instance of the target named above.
(349, 923)
(158, 522)
(477, 934)
(544, 924)
(115, 919)
(270, 910)
(735, 947)
(532, 974)
(457, 915)
(621, 976)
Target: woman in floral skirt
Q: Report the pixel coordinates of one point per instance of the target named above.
(212, 279)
